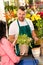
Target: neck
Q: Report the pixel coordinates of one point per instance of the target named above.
(20, 20)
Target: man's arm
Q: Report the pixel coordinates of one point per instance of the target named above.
(34, 36)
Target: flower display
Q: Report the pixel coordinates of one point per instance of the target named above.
(38, 23)
(37, 20)
(10, 14)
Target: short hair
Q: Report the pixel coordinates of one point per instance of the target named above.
(22, 8)
(2, 29)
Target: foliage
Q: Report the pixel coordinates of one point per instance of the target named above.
(30, 1)
(7, 8)
(10, 21)
(39, 25)
(24, 39)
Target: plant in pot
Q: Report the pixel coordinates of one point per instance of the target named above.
(36, 49)
(24, 42)
(40, 41)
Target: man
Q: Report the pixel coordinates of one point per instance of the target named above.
(21, 26)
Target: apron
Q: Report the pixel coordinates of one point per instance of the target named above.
(23, 30)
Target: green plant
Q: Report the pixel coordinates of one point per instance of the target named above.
(30, 1)
(24, 39)
(39, 25)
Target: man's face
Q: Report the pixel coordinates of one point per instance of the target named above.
(21, 15)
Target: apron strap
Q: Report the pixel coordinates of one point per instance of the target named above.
(19, 24)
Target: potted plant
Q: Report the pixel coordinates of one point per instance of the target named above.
(36, 52)
(36, 49)
(40, 41)
(24, 42)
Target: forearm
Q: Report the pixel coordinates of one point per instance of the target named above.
(34, 36)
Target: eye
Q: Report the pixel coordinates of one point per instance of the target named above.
(19, 13)
(23, 14)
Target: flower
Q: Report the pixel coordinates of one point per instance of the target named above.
(10, 15)
(28, 15)
(41, 14)
(15, 12)
(35, 17)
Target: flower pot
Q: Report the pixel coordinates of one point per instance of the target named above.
(41, 51)
(24, 49)
(36, 52)
(41, 45)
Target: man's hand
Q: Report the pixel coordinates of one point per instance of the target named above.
(35, 40)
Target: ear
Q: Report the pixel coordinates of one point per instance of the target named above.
(25, 13)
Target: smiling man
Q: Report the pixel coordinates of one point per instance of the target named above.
(21, 26)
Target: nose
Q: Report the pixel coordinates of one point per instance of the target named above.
(21, 15)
